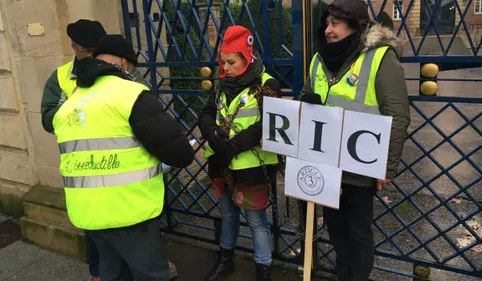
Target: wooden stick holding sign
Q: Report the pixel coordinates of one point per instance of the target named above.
(308, 261)
(319, 142)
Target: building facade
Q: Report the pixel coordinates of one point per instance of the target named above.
(445, 13)
(33, 43)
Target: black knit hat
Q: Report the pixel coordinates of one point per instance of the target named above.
(354, 11)
(86, 33)
(118, 46)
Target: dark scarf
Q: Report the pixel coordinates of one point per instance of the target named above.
(335, 54)
(88, 70)
(232, 86)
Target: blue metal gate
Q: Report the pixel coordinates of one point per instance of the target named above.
(432, 214)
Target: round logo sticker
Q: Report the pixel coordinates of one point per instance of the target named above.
(244, 98)
(220, 105)
(240, 197)
(352, 79)
(310, 180)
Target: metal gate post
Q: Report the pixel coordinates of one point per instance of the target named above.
(146, 9)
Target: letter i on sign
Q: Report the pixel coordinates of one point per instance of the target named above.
(320, 134)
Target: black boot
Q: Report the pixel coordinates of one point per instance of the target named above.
(263, 272)
(224, 266)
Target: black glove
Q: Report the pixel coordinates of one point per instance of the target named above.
(213, 160)
(217, 139)
(311, 98)
(225, 156)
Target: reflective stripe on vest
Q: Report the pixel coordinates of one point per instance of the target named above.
(243, 112)
(113, 180)
(67, 81)
(358, 103)
(110, 180)
(99, 144)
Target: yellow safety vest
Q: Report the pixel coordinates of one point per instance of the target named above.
(356, 90)
(247, 115)
(110, 179)
(66, 82)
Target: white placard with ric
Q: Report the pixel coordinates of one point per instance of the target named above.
(313, 182)
(280, 126)
(320, 134)
(365, 142)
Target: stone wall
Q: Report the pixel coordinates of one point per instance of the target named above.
(29, 155)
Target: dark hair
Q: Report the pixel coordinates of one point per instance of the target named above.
(84, 49)
(239, 54)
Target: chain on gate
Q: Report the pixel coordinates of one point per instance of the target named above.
(227, 124)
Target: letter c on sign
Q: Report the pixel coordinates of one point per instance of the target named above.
(351, 145)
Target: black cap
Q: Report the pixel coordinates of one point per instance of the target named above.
(86, 33)
(118, 46)
(356, 11)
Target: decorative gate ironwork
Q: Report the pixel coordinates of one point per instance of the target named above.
(431, 215)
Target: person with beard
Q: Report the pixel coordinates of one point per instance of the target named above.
(240, 171)
(113, 134)
(85, 34)
(357, 68)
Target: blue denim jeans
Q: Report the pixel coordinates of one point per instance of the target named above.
(258, 222)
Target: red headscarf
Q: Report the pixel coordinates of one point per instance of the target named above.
(237, 39)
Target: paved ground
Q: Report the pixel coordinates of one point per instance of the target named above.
(23, 262)
(431, 46)
(20, 261)
(9, 231)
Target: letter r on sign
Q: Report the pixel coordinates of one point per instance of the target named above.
(281, 126)
(281, 130)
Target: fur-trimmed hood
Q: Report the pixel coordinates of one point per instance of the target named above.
(377, 35)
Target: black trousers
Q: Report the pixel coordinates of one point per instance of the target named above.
(351, 233)
(92, 255)
(132, 253)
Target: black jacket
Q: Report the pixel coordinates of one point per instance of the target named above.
(158, 132)
(243, 141)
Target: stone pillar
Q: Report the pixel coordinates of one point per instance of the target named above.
(79, 9)
(211, 32)
(17, 173)
(108, 12)
(28, 154)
